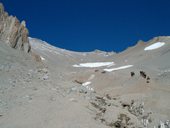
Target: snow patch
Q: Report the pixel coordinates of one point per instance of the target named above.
(119, 68)
(94, 65)
(42, 58)
(155, 46)
(86, 83)
(91, 77)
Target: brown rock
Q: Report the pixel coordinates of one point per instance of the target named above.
(13, 32)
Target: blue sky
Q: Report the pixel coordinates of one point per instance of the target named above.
(85, 25)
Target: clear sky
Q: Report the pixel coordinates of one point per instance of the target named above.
(85, 25)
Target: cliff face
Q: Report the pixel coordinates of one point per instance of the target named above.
(13, 32)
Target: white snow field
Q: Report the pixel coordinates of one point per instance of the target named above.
(119, 68)
(155, 46)
(94, 65)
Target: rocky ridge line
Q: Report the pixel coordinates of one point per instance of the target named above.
(13, 32)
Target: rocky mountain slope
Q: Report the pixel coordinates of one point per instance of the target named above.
(66, 89)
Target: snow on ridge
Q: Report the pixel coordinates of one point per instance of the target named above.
(155, 46)
(43, 46)
(119, 68)
(94, 65)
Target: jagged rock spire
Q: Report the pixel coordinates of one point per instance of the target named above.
(13, 32)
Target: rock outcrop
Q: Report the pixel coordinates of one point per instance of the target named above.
(13, 32)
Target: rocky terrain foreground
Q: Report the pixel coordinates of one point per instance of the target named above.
(49, 87)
